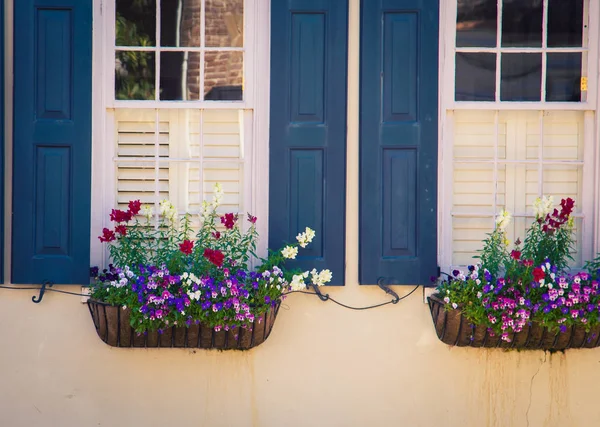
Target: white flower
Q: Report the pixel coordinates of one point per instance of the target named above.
(503, 219)
(297, 283)
(454, 305)
(542, 206)
(320, 278)
(447, 300)
(289, 252)
(479, 294)
(148, 212)
(168, 211)
(218, 195)
(306, 237)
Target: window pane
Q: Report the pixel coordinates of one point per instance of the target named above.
(521, 77)
(565, 23)
(223, 76)
(180, 23)
(475, 76)
(134, 75)
(180, 76)
(224, 23)
(563, 80)
(476, 23)
(522, 23)
(135, 23)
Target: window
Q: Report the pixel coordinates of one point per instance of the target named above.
(517, 119)
(521, 50)
(179, 117)
(179, 50)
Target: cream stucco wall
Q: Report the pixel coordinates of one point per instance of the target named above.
(322, 366)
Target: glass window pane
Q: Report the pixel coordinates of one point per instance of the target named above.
(180, 23)
(475, 76)
(223, 76)
(180, 76)
(521, 77)
(134, 75)
(224, 23)
(563, 79)
(135, 23)
(522, 23)
(476, 23)
(565, 23)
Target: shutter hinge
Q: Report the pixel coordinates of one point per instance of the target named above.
(38, 299)
(439, 271)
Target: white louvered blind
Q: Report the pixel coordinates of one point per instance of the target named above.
(501, 162)
(179, 154)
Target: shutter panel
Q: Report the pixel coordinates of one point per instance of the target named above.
(398, 147)
(2, 140)
(308, 129)
(52, 141)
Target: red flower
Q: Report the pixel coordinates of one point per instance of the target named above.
(538, 274)
(121, 229)
(216, 235)
(120, 216)
(186, 247)
(135, 206)
(215, 256)
(515, 255)
(252, 219)
(528, 263)
(107, 235)
(228, 220)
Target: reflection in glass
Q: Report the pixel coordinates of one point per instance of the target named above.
(565, 23)
(522, 23)
(476, 23)
(521, 77)
(134, 75)
(180, 22)
(224, 23)
(223, 76)
(135, 23)
(475, 76)
(180, 76)
(563, 77)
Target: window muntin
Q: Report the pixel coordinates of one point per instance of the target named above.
(508, 50)
(199, 54)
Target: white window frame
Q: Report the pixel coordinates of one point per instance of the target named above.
(448, 29)
(591, 176)
(254, 107)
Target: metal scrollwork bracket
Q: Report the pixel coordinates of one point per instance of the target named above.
(38, 299)
(388, 290)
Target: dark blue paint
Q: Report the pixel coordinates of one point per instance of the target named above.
(52, 141)
(2, 141)
(398, 146)
(308, 129)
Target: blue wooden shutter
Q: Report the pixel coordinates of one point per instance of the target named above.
(2, 118)
(308, 129)
(398, 147)
(52, 141)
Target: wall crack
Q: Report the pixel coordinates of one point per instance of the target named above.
(531, 386)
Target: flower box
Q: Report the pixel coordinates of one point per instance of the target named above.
(113, 327)
(454, 329)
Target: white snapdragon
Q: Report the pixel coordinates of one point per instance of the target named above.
(289, 252)
(306, 237)
(147, 212)
(503, 219)
(168, 211)
(218, 195)
(320, 278)
(542, 206)
(297, 283)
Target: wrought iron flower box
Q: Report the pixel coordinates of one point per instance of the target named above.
(454, 329)
(112, 326)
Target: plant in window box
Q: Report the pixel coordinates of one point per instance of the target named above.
(523, 298)
(172, 286)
